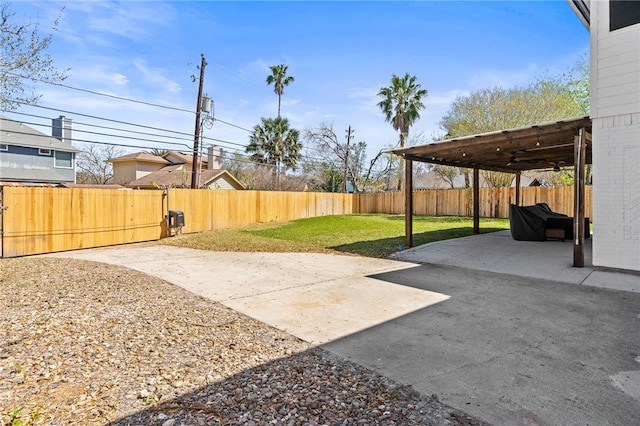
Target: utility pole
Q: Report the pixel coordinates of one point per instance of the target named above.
(196, 140)
(346, 160)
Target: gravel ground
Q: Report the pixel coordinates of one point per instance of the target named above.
(89, 343)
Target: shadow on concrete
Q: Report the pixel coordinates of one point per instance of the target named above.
(510, 349)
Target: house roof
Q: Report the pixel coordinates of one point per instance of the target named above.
(21, 184)
(92, 186)
(177, 176)
(536, 147)
(182, 158)
(13, 132)
(139, 157)
(582, 8)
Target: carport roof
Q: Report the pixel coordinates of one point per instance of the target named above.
(541, 146)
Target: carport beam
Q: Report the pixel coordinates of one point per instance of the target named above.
(517, 200)
(476, 201)
(408, 203)
(578, 207)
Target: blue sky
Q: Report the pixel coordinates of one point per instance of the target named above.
(340, 54)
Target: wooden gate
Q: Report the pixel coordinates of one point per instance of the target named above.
(45, 220)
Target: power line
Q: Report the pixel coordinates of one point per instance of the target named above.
(133, 131)
(233, 125)
(104, 119)
(122, 98)
(176, 146)
(123, 130)
(113, 136)
(91, 141)
(98, 126)
(93, 92)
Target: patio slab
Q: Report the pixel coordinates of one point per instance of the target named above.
(507, 331)
(498, 252)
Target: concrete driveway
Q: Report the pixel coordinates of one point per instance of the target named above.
(533, 342)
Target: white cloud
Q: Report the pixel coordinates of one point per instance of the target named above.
(101, 74)
(157, 77)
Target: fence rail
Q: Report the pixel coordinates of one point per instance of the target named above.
(494, 202)
(45, 220)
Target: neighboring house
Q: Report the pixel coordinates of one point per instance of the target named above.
(30, 157)
(135, 166)
(173, 170)
(614, 26)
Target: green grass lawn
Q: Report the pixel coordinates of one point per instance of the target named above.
(376, 235)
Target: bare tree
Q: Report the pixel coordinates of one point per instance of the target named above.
(93, 166)
(23, 57)
(446, 173)
(337, 153)
(381, 174)
(259, 177)
(497, 179)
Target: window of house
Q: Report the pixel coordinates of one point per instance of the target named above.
(623, 13)
(64, 159)
(4, 147)
(44, 151)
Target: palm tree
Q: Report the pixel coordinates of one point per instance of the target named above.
(279, 79)
(273, 142)
(401, 103)
(158, 152)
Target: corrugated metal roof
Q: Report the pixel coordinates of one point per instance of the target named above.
(16, 133)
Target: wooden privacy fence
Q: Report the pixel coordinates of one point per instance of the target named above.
(494, 202)
(45, 220)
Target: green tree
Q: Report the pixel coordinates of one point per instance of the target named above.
(577, 84)
(280, 80)
(23, 57)
(333, 179)
(494, 109)
(275, 143)
(401, 104)
(548, 98)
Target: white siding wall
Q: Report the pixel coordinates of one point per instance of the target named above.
(124, 172)
(221, 183)
(615, 110)
(143, 169)
(616, 192)
(128, 171)
(615, 65)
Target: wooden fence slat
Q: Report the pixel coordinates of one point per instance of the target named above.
(44, 220)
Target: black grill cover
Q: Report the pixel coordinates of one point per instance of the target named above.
(528, 222)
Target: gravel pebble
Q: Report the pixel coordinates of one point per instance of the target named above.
(89, 343)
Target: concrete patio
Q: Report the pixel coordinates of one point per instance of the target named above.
(507, 331)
